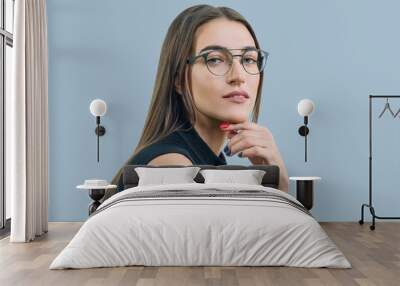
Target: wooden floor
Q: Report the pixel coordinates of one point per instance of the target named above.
(374, 255)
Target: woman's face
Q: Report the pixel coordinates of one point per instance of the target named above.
(208, 89)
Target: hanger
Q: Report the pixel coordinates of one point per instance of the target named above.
(387, 106)
(398, 111)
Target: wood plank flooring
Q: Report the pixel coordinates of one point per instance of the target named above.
(374, 255)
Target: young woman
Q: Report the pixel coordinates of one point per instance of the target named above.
(207, 90)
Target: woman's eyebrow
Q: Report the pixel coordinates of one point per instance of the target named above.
(217, 47)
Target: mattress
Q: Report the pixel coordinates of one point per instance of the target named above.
(196, 224)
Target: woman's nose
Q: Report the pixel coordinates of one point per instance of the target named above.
(237, 73)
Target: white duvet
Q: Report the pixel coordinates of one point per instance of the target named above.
(190, 230)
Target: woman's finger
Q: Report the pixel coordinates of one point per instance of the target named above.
(248, 125)
(258, 155)
(243, 134)
(248, 142)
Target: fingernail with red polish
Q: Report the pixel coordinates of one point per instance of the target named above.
(224, 125)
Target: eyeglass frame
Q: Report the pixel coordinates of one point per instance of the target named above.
(192, 59)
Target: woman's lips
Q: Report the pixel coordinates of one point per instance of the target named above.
(237, 98)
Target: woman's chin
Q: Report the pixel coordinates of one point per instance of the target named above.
(236, 118)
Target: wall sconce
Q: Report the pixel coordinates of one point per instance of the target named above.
(98, 108)
(305, 107)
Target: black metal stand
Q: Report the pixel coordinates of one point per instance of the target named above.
(100, 131)
(96, 195)
(303, 131)
(305, 193)
(371, 208)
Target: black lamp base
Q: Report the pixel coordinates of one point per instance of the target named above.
(100, 130)
(303, 130)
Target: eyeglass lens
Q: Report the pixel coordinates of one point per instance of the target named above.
(219, 62)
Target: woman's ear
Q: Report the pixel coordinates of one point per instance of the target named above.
(178, 87)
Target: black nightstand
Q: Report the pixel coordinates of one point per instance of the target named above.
(305, 190)
(96, 192)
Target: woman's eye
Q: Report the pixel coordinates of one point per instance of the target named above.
(250, 60)
(214, 61)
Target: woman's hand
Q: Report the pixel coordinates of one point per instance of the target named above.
(257, 144)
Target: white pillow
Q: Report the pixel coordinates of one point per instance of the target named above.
(166, 175)
(250, 177)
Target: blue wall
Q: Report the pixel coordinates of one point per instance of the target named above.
(333, 52)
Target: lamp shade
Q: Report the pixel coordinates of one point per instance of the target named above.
(305, 107)
(98, 107)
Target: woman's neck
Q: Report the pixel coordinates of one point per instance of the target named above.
(208, 129)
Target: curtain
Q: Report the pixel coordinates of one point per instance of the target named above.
(28, 123)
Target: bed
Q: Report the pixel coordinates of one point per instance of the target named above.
(201, 224)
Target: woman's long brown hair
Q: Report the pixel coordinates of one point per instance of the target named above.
(168, 108)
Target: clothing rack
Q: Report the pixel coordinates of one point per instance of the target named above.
(371, 208)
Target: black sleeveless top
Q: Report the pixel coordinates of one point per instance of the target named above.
(186, 142)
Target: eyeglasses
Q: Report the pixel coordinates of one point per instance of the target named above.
(219, 60)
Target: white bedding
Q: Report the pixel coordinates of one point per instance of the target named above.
(191, 230)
